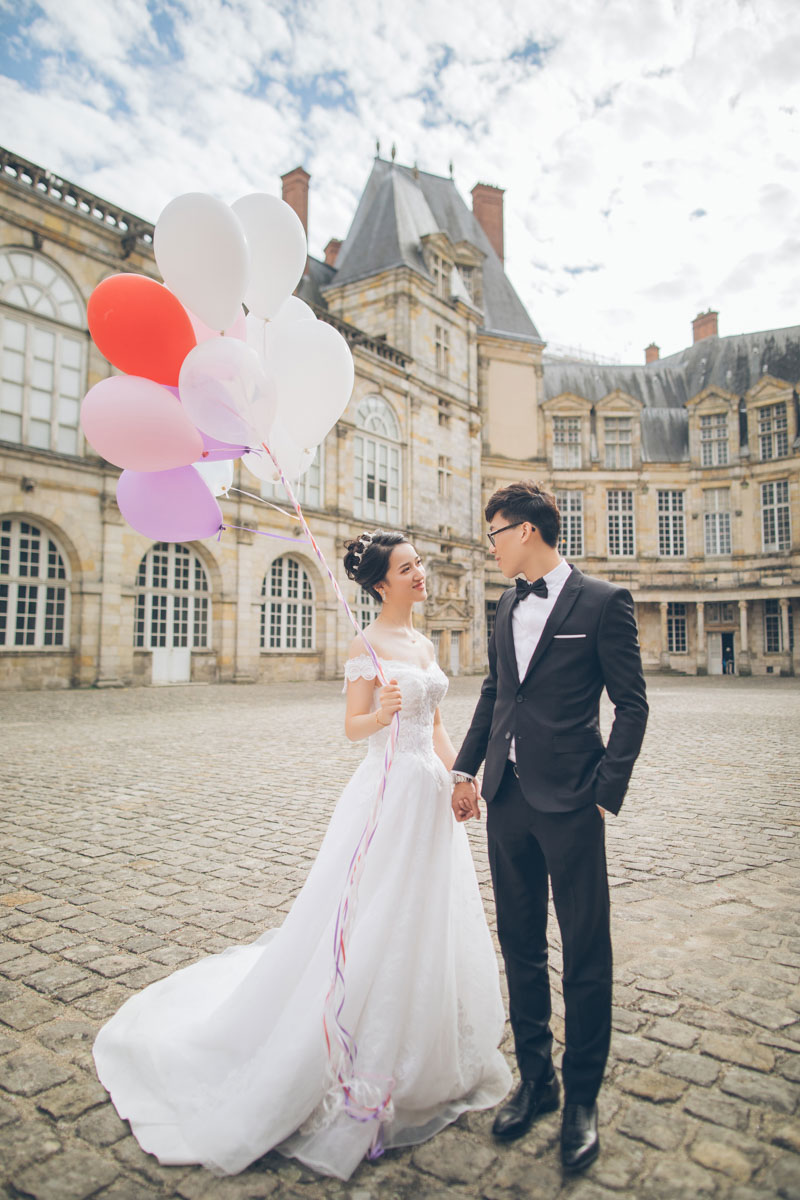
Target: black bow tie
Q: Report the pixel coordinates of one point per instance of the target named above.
(537, 588)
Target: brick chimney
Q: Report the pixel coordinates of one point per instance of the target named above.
(705, 325)
(487, 205)
(332, 251)
(295, 192)
(651, 353)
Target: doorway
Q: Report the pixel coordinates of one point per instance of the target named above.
(728, 660)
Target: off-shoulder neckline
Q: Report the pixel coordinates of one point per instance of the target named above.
(399, 662)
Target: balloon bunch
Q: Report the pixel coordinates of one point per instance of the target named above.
(204, 383)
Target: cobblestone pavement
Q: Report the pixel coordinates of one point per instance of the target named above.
(142, 829)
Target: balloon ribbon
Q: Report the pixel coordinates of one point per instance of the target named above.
(340, 1043)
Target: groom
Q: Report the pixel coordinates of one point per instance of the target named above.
(560, 637)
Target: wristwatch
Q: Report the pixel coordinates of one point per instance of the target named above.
(461, 777)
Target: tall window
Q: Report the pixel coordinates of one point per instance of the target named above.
(376, 453)
(714, 439)
(676, 628)
(621, 539)
(717, 520)
(773, 431)
(619, 441)
(440, 270)
(444, 414)
(671, 526)
(442, 344)
(445, 475)
(173, 606)
(566, 441)
(775, 523)
(308, 488)
(570, 505)
(773, 627)
(34, 588)
(42, 353)
(287, 609)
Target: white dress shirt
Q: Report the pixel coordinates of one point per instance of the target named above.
(528, 619)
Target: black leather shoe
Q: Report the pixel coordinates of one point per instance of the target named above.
(530, 1100)
(580, 1144)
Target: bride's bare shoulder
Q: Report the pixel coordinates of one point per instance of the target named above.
(357, 647)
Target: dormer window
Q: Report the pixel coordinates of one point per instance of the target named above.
(440, 270)
(773, 432)
(566, 442)
(714, 439)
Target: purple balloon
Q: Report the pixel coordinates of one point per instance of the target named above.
(168, 506)
(211, 446)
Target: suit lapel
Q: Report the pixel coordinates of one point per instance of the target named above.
(567, 597)
(506, 632)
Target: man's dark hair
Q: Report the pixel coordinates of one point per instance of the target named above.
(528, 501)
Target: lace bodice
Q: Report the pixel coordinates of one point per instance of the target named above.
(423, 688)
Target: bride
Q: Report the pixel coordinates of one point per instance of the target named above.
(226, 1059)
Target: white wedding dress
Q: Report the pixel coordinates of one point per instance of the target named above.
(225, 1059)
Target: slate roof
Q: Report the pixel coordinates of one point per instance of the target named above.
(398, 208)
(734, 364)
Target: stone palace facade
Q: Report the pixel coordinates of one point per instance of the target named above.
(678, 478)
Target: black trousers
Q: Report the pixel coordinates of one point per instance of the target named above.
(526, 846)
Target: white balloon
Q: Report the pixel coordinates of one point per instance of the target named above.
(293, 309)
(202, 254)
(313, 371)
(217, 476)
(278, 250)
(294, 460)
(226, 392)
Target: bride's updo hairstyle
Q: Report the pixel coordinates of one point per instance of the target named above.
(367, 558)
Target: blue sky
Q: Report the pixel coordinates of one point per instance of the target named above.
(648, 148)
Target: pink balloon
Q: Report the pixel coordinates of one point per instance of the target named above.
(168, 506)
(203, 332)
(136, 423)
(212, 448)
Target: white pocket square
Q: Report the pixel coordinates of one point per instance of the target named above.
(568, 635)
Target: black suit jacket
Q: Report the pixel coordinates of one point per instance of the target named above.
(589, 642)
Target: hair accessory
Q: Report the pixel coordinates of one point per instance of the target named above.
(363, 540)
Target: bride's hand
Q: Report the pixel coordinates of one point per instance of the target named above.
(390, 701)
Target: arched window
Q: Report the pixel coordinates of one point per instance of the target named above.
(173, 607)
(287, 611)
(377, 462)
(34, 587)
(42, 357)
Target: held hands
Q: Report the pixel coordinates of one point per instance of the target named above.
(390, 701)
(465, 802)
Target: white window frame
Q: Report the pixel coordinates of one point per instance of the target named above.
(618, 442)
(621, 523)
(570, 505)
(714, 439)
(34, 588)
(773, 431)
(776, 518)
(173, 600)
(567, 442)
(377, 463)
(677, 639)
(445, 476)
(40, 389)
(442, 349)
(671, 523)
(288, 612)
(365, 607)
(717, 521)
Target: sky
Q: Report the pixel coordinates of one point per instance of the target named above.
(648, 148)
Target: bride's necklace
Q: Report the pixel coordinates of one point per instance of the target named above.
(411, 634)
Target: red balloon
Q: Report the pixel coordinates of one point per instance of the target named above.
(140, 327)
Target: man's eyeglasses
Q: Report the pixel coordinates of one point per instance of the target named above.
(503, 528)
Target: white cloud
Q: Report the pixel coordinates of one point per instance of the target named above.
(609, 124)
